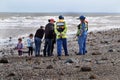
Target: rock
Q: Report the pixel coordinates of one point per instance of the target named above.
(100, 62)
(104, 58)
(49, 67)
(118, 50)
(11, 74)
(36, 67)
(87, 60)
(61, 73)
(0, 51)
(110, 50)
(118, 41)
(93, 77)
(96, 53)
(71, 61)
(104, 42)
(3, 60)
(77, 66)
(86, 69)
(28, 59)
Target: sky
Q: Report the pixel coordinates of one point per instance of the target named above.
(109, 6)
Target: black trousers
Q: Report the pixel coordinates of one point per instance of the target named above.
(30, 52)
(52, 47)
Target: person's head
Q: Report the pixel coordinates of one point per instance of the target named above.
(51, 20)
(31, 36)
(41, 27)
(19, 39)
(82, 18)
(61, 17)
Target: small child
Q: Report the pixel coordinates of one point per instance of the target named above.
(20, 47)
(30, 44)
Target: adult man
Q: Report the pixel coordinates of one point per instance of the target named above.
(49, 31)
(82, 35)
(61, 30)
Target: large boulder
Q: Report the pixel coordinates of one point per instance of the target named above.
(3, 60)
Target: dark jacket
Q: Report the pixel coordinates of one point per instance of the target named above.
(40, 33)
(49, 31)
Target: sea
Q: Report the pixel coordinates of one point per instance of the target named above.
(15, 25)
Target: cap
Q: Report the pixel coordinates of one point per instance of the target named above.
(51, 20)
(81, 17)
(61, 17)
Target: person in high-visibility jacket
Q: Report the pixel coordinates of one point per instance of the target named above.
(61, 30)
(82, 35)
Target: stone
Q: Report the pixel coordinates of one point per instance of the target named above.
(110, 50)
(11, 74)
(3, 60)
(77, 66)
(104, 58)
(100, 62)
(49, 67)
(28, 59)
(87, 60)
(96, 53)
(86, 69)
(93, 77)
(71, 61)
(118, 41)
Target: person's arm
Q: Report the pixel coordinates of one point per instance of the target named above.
(56, 31)
(78, 30)
(65, 30)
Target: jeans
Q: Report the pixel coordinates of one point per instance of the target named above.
(62, 42)
(47, 47)
(37, 46)
(82, 44)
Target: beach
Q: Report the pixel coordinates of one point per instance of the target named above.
(101, 62)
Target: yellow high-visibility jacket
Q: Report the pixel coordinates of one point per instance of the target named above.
(62, 24)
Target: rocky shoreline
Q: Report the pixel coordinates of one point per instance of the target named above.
(100, 63)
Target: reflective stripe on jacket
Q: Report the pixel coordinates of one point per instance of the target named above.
(61, 28)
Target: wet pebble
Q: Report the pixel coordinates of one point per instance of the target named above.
(49, 67)
(86, 69)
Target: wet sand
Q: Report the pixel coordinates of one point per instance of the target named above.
(102, 59)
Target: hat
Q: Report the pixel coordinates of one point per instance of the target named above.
(61, 17)
(81, 17)
(51, 20)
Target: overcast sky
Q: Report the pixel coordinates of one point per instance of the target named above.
(111, 6)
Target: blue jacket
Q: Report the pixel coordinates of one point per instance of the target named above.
(30, 42)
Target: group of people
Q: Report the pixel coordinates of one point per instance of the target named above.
(55, 32)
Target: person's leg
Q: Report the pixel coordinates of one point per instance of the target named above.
(80, 42)
(64, 43)
(84, 45)
(20, 53)
(36, 47)
(29, 51)
(45, 48)
(59, 47)
(39, 46)
(52, 48)
(49, 47)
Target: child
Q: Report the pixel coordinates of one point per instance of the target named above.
(20, 46)
(30, 45)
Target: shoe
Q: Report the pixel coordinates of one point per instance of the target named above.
(78, 54)
(86, 51)
(66, 54)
